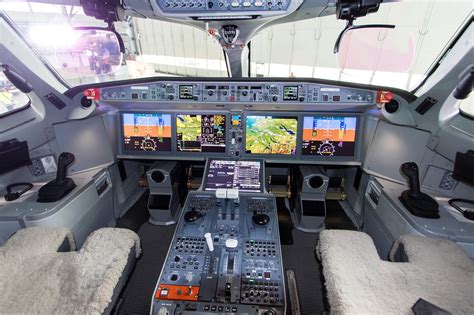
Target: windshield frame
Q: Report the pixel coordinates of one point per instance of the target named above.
(4, 15)
(454, 40)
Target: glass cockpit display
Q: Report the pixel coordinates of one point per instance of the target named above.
(146, 132)
(243, 175)
(329, 135)
(271, 135)
(201, 133)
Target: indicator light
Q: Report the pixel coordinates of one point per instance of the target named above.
(384, 96)
(92, 94)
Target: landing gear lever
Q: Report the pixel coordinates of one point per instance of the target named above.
(417, 202)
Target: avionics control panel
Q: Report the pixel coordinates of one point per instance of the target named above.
(213, 6)
(225, 256)
(238, 92)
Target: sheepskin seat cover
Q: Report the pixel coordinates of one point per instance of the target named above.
(359, 282)
(35, 279)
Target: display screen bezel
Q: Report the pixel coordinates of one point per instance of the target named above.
(261, 175)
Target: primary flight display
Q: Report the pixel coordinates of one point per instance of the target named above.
(329, 135)
(271, 135)
(146, 131)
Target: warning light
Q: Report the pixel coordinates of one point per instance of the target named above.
(384, 96)
(92, 94)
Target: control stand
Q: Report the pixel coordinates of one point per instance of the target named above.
(56, 189)
(225, 257)
(417, 202)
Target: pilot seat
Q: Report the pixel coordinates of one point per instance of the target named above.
(39, 277)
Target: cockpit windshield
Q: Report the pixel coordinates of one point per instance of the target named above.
(399, 57)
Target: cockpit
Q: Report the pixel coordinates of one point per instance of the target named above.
(236, 157)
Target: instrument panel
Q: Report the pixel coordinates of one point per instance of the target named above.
(280, 136)
(288, 121)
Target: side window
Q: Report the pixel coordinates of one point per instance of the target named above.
(11, 99)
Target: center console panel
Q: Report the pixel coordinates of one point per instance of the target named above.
(247, 278)
(225, 256)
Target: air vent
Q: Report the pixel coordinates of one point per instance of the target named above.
(426, 105)
(392, 106)
(85, 102)
(157, 176)
(316, 182)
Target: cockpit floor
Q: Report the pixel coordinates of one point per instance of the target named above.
(155, 240)
(300, 257)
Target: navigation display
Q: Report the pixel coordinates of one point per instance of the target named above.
(201, 133)
(146, 132)
(290, 93)
(271, 135)
(329, 135)
(243, 175)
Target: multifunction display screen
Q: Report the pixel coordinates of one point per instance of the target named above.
(329, 135)
(146, 132)
(290, 93)
(242, 175)
(185, 92)
(271, 135)
(201, 133)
